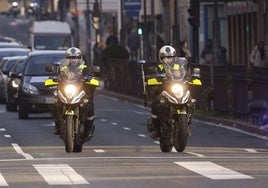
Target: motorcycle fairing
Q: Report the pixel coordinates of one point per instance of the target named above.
(153, 81)
(50, 83)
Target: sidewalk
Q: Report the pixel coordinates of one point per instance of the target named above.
(245, 126)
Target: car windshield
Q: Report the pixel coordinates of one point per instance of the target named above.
(35, 65)
(19, 66)
(9, 64)
(52, 42)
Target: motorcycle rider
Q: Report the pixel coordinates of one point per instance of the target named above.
(71, 66)
(166, 55)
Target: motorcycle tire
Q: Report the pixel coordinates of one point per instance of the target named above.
(165, 144)
(180, 139)
(69, 137)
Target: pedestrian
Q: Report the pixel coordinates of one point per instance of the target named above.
(206, 53)
(133, 43)
(184, 50)
(257, 55)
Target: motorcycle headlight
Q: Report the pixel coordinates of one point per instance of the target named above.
(177, 90)
(30, 89)
(70, 91)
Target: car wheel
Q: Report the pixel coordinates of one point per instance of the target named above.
(23, 114)
(11, 107)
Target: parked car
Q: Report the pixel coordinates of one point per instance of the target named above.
(8, 52)
(33, 96)
(6, 67)
(13, 84)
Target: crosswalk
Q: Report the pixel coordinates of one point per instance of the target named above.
(64, 174)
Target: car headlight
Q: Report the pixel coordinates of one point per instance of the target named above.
(15, 83)
(30, 89)
(70, 91)
(177, 90)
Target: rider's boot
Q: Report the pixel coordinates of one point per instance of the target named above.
(89, 128)
(155, 128)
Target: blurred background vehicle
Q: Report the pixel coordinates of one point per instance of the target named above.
(33, 96)
(6, 67)
(13, 84)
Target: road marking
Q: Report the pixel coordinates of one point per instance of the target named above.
(3, 181)
(126, 128)
(19, 151)
(196, 154)
(99, 150)
(2, 129)
(60, 174)
(251, 150)
(103, 120)
(213, 171)
(142, 135)
(113, 123)
(7, 136)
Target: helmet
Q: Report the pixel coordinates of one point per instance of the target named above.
(73, 52)
(166, 51)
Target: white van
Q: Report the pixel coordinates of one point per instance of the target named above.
(50, 35)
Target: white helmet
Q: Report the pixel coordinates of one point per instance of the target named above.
(73, 52)
(166, 51)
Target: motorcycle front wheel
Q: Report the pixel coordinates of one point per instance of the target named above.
(165, 143)
(69, 137)
(180, 139)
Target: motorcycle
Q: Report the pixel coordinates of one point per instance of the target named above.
(31, 10)
(176, 106)
(71, 99)
(14, 9)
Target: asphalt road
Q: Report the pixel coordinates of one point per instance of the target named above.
(121, 154)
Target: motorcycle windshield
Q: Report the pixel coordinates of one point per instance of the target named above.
(175, 68)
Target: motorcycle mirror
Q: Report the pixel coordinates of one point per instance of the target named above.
(49, 68)
(96, 69)
(196, 72)
(152, 70)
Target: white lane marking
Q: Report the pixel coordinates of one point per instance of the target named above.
(126, 128)
(212, 170)
(251, 150)
(19, 151)
(156, 141)
(103, 120)
(99, 150)
(3, 181)
(2, 129)
(141, 113)
(60, 174)
(113, 123)
(196, 154)
(142, 135)
(7, 136)
(232, 129)
(48, 125)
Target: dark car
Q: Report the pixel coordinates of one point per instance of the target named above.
(4, 72)
(33, 96)
(13, 84)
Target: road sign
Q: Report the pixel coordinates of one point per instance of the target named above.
(132, 5)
